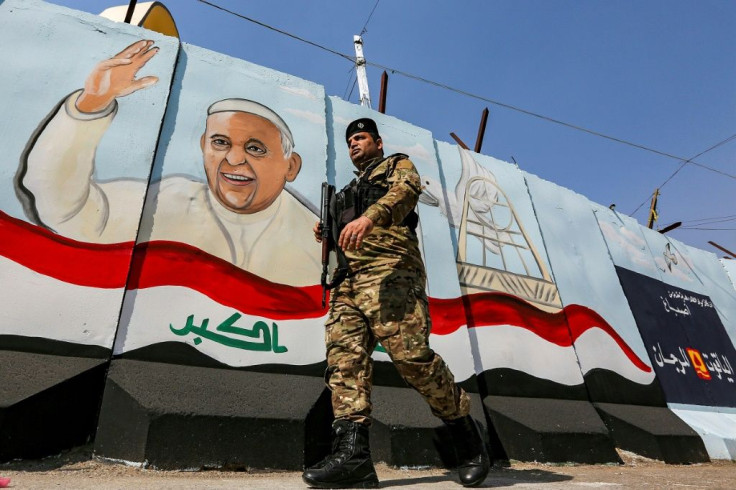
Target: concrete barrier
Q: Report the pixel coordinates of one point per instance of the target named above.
(63, 276)
(683, 308)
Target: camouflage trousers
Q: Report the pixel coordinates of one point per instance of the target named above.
(390, 308)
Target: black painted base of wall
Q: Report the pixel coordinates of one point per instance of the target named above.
(175, 417)
(654, 432)
(48, 403)
(549, 430)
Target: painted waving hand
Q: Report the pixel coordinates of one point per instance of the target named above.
(116, 77)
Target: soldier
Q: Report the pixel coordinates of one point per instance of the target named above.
(383, 299)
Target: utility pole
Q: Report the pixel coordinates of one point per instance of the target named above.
(653, 209)
(365, 96)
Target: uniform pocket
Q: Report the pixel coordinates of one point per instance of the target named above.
(396, 299)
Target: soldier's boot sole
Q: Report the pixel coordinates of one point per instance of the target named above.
(368, 481)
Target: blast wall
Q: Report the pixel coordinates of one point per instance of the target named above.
(162, 282)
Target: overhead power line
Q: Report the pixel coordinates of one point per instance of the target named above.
(708, 221)
(365, 26)
(708, 229)
(350, 79)
(472, 95)
(682, 165)
(275, 29)
(355, 82)
(352, 70)
(732, 216)
(553, 120)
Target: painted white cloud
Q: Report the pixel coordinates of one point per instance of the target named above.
(674, 269)
(310, 116)
(342, 121)
(416, 152)
(301, 92)
(631, 245)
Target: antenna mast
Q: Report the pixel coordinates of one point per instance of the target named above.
(365, 96)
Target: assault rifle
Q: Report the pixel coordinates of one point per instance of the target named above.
(328, 244)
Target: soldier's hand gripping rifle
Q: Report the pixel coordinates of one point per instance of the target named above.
(328, 244)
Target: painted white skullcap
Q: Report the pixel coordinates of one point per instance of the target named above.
(251, 107)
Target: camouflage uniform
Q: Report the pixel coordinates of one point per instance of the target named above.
(383, 300)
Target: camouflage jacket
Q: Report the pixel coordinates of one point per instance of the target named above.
(390, 244)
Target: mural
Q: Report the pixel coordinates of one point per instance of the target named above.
(248, 156)
(62, 241)
(608, 345)
(249, 293)
(677, 323)
(510, 298)
(236, 219)
(685, 330)
(498, 244)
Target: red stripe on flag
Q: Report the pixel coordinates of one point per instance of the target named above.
(163, 263)
(581, 319)
(495, 308)
(84, 264)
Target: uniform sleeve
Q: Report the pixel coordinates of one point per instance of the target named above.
(402, 196)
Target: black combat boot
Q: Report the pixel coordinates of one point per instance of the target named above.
(472, 456)
(349, 465)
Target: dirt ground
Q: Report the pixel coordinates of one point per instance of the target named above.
(77, 470)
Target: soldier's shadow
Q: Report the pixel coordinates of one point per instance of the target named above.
(497, 477)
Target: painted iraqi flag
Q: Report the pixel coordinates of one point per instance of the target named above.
(177, 293)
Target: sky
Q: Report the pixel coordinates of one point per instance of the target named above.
(659, 74)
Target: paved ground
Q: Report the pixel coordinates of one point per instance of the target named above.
(75, 470)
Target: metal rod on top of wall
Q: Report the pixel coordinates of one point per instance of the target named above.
(382, 96)
(723, 248)
(129, 13)
(481, 130)
(671, 227)
(459, 141)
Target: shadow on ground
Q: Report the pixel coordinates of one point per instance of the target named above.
(498, 477)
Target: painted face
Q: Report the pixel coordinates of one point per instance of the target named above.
(363, 147)
(244, 161)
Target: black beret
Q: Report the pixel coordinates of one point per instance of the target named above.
(361, 125)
